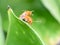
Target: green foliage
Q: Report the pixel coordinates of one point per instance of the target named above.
(19, 33)
(1, 33)
(45, 29)
(54, 7)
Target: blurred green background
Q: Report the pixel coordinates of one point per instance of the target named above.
(46, 17)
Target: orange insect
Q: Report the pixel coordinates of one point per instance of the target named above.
(26, 16)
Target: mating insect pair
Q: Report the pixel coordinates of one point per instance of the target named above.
(26, 16)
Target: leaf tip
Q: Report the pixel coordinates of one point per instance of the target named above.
(8, 7)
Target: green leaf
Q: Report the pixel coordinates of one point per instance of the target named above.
(2, 40)
(54, 7)
(20, 33)
(43, 19)
(3, 10)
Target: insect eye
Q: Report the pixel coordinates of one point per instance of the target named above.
(23, 19)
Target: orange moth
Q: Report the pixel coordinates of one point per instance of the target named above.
(26, 16)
